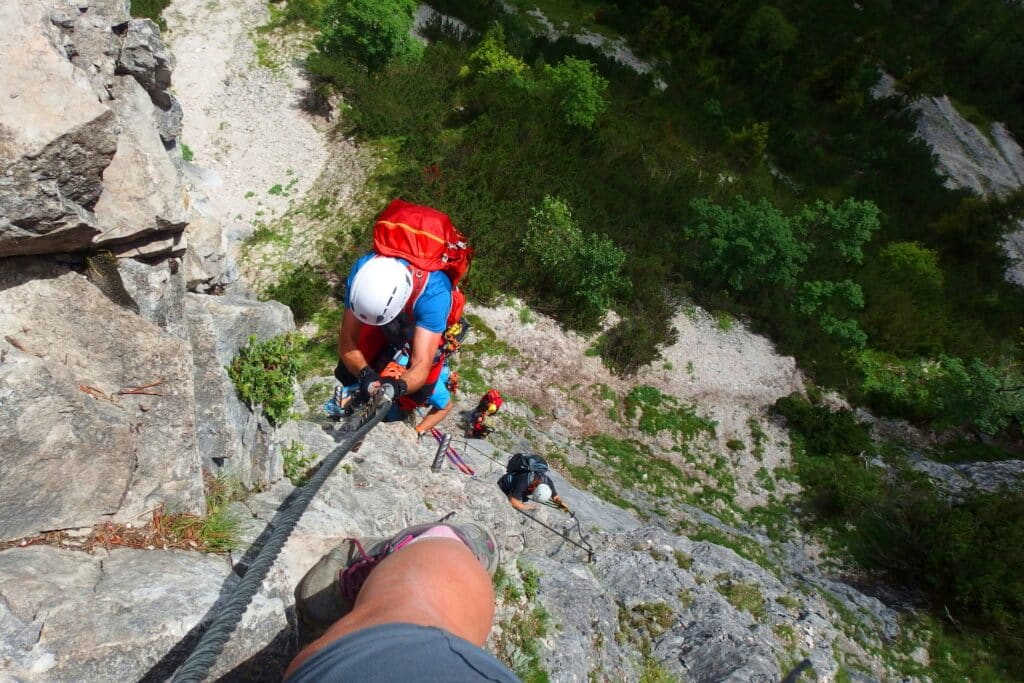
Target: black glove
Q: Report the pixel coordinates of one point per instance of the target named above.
(342, 374)
(399, 385)
(367, 376)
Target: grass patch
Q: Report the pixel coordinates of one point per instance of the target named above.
(297, 463)
(659, 412)
(683, 561)
(742, 546)
(186, 153)
(303, 289)
(519, 645)
(743, 596)
(634, 466)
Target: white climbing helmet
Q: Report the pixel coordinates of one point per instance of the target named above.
(542, 494)
(380, 290)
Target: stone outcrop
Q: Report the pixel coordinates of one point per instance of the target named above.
(986, 164)
(962, 479)
(56, 138)
(207, 265)
(76, 451)
(228, 433)
(698, 610)
(86, 121)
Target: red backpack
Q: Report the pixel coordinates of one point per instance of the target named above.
(425, 238)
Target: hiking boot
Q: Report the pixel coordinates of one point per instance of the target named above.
(328, 591)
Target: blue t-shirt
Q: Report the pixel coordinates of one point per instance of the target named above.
(431, 310)
(441, 396)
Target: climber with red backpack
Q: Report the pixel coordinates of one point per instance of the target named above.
(488, 405)
(402, 296)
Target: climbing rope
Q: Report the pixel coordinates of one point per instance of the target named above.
(212, 642)
(583, 544)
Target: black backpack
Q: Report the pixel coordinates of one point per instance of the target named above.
(522, 463)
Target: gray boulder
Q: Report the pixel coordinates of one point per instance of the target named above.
(116, 616)
(159, 291)
(207, 266)
(77, 451)
(228, 433)
(56, 138)
(142, 191)
(144, 57)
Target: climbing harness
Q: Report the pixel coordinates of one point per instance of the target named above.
(582, 544)
(212, 642)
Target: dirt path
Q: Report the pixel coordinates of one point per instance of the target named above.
(257, 150)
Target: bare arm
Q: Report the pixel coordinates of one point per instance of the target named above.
(520, 505)
(424, 347)
(348, 343)
(557, 500)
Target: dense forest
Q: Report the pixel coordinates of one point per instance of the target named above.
(750, 172)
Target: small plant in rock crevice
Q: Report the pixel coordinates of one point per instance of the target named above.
(263, 373)
(297, 463)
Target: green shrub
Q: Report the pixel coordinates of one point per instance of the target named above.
(263, 372)
(950, 392)
(490, 58)
(151, 9)
(747, 246)
(585, 268)
(659, 412)
(301, 289)
(824, 431)
(578, 91)
(374, 32)
(186, 153)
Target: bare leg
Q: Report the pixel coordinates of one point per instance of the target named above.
(434, 418)
(433, 582)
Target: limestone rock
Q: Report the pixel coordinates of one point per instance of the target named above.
(117, 615)
(159, 291)
(969, 159)
(227, 431)
(993, 476)
(75, 451)
(207, 264)
(145, 58)
(964, 155)
(56, 138)
(142, 190)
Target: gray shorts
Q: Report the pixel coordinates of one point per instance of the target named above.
(400, 653)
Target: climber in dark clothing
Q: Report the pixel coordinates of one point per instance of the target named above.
(526, 479)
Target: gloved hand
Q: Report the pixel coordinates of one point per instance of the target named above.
(367, 377)
(399, 385)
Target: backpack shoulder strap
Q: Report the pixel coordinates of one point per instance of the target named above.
(419, 283)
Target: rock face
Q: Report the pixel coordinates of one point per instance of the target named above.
(56, 138)
(228, 433)
(71, 616)
(76, 452)
(695, 609)
(985, 164)
(85, 121)
(962, 479)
